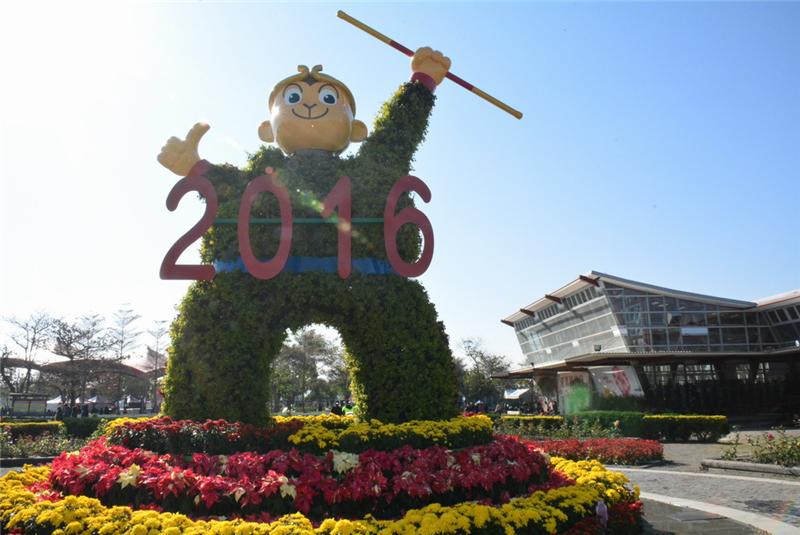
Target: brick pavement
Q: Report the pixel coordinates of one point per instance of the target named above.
(773, 497)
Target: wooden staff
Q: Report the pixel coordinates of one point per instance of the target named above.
(408, 52)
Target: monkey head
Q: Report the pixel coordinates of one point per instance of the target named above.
(311, 110)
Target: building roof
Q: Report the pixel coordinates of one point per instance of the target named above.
(779, 300)
(594, 277)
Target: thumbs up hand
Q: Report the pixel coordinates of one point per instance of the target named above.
(179, 156)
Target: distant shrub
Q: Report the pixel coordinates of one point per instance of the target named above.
(81, 427)
(682, 427)
(553, 427)
(629, 423)
(32, 429)
(42, 445)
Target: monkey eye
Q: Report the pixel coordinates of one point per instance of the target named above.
(292, 94)
(327, 96)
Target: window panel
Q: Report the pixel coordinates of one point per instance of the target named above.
(732, 336)
(752, 318)
(674, 318)
(753, 336)
(657, 319)
(712, 316)
(732, 318)
(690, 306)
(714, 337)
(658, 337)
(674, 336)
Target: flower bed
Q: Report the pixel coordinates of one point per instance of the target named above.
(43, 445)
(505, 485)
(316, 434)
(773, 447)
(605, 450)
(279, 482)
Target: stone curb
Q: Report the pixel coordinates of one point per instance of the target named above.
(10, 462)
(705, 464)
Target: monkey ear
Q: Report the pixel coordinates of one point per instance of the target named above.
(265, 132)
(358, 132)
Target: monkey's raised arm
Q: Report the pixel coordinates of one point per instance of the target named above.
(399, 129)
(403, 120)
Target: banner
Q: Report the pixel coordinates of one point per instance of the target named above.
(619, 381)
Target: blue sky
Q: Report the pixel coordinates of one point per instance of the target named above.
(661, 142)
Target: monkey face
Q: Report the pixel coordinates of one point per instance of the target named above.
(314, 116)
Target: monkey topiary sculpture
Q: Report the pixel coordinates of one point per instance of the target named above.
(229, 329)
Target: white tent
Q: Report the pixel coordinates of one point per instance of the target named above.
(515, 394)
(52, 404)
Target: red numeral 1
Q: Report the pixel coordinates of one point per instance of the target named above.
(200, 184)
(270, 268)
(392, 223)
(340, 196)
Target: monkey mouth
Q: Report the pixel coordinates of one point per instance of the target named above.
(309, 118)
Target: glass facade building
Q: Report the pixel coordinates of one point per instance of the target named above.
(670, 337)
(599, 313)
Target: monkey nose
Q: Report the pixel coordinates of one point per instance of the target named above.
(309, 106)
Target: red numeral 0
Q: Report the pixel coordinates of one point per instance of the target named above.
(270, 268)
(392, 223)
(169, 268)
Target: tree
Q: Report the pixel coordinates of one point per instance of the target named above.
(481, 365)
(123, 336)
(296, 372)
(154, 357)
(83, 344)
(30, 335)
(336, 373)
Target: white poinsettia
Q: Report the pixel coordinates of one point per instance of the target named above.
(343, 461)
(288, 490)
(129, 476)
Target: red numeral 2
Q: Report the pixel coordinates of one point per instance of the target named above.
(169, 268)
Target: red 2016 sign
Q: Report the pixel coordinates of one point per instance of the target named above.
(339, 200)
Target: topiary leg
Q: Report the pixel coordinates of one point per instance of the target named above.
(222, 347)
(400, 361)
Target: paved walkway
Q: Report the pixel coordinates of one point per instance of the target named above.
(666, 519)
(771, 503)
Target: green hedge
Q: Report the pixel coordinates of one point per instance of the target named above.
(682, 427)
(81, 427)
(521, 421)
(32, 429)
(630, 423)
(669, 427)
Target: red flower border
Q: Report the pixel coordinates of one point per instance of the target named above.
(384, 484)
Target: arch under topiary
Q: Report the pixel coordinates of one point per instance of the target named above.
(231, 328)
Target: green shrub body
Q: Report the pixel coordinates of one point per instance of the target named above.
(46, 444)
(669, 427)
(82, 427)
(32, 429)
(682, 427)
(629, 422)
(230, 329)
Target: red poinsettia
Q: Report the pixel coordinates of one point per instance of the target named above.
(282, 481)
